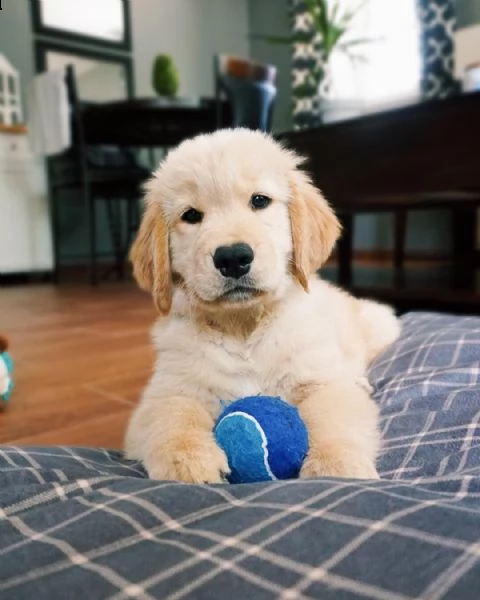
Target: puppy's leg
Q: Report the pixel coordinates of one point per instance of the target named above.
(380, 326)
(174, 439)
(341, 419)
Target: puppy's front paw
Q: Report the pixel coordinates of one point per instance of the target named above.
(338, 462)
(191, 461)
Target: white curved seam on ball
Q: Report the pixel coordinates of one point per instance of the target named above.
(262, 435)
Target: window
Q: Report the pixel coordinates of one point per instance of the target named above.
(390, 71)
(103, 62)
(102, 22)
(11, 84)
(97, 80)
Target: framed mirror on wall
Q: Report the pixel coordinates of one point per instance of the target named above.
(102, 22)
(100, 78)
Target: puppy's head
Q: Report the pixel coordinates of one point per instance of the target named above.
(231, 217)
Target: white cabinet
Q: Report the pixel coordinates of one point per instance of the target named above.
(25, 236)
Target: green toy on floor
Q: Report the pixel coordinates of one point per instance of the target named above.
(6, 370)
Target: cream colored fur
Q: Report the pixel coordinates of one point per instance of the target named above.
(296, 336)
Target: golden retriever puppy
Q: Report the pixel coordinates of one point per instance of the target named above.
(231, 240)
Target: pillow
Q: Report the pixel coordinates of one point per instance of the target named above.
(428, 387)
(85, 523)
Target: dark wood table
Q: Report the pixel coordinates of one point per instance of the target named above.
(150, 122)
(425, 155)
(134, 124)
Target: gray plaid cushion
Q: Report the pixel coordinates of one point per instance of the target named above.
(86, 524)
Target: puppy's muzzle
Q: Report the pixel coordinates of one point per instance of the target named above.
(233, 261)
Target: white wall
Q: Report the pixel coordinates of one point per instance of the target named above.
(467, 48)
(191, 31)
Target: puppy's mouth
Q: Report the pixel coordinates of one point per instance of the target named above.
(240, 293)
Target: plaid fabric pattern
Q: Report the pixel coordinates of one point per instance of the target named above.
(84, 523)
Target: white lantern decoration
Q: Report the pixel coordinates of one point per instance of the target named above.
(10, 99)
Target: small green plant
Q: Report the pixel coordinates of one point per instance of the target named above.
(165, 78)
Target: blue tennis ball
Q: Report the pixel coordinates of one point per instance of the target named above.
(263, 437)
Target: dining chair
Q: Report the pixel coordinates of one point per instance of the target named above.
(112, 174)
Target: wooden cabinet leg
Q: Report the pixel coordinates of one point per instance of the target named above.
(345, 251)
(401, 221)
(400, 226)
(464, 243)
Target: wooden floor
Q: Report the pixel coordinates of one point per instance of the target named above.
(81, 355)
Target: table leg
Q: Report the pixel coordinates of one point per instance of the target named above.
(400, 221)
(345, 251)
(464, 247)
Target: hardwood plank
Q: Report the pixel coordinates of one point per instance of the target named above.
(128, 387)
(107, 432)
(48, 416)
(82, 357)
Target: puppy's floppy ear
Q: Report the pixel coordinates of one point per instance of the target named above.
(315, 228)
(150, 256)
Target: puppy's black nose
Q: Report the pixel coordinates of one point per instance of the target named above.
(233, 261)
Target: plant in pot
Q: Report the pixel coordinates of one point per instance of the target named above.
(332, 21)
(333, 24)
(165, 78)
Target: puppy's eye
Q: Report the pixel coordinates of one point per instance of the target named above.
(259, 201)
(192, 216)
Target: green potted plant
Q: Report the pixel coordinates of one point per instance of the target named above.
(332, 22)
(165, 78)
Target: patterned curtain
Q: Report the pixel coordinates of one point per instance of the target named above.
(438, 22)
(307, 58)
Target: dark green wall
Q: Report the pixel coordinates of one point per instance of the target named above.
(270, 17)
(468, 12)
